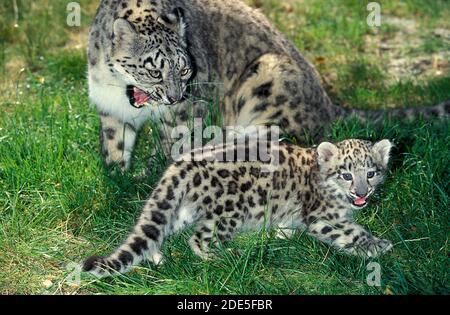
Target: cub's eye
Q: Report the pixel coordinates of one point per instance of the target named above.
(370, 174)
(347, 176)
(155, 73)
(185, 71)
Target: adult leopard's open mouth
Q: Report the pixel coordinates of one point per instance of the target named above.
(137, 97)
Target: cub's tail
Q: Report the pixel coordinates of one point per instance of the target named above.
(409, 114)
(157, 221)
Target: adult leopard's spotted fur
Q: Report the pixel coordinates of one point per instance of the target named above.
(156, 52)
(316, 189)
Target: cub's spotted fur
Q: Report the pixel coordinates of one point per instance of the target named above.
(174, 56)
(316, 189)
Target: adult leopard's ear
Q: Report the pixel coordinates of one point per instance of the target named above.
(176, 22)
(326, 152)
(381, 151)
(124, 34)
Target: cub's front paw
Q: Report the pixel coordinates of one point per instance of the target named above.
(374, 247)
(285, 234)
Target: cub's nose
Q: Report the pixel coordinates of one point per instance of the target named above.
(361, 193)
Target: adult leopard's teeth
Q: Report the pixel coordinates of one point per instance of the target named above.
(140, 97)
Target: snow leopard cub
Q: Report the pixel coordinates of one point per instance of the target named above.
(316, 189)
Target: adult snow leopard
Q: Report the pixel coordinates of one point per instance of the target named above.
(145, 54)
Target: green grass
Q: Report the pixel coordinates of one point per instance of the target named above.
(58, 204)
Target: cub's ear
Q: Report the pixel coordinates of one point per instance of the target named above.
(176, 22)
(381, 150)
(124, 33)
(326, 152)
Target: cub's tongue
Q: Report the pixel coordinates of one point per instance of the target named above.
(140, 97)
(360, 201)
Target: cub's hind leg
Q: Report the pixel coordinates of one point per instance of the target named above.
(201, 241)
(211, 232)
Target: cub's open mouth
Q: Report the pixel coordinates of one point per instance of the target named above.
(137, 97)
(358, 202)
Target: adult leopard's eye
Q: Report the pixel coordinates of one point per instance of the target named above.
(185, 71)
(370, 174)
(155, 73)
(347, 176)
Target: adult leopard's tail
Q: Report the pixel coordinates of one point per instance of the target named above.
(159, 219)
(409, 114)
